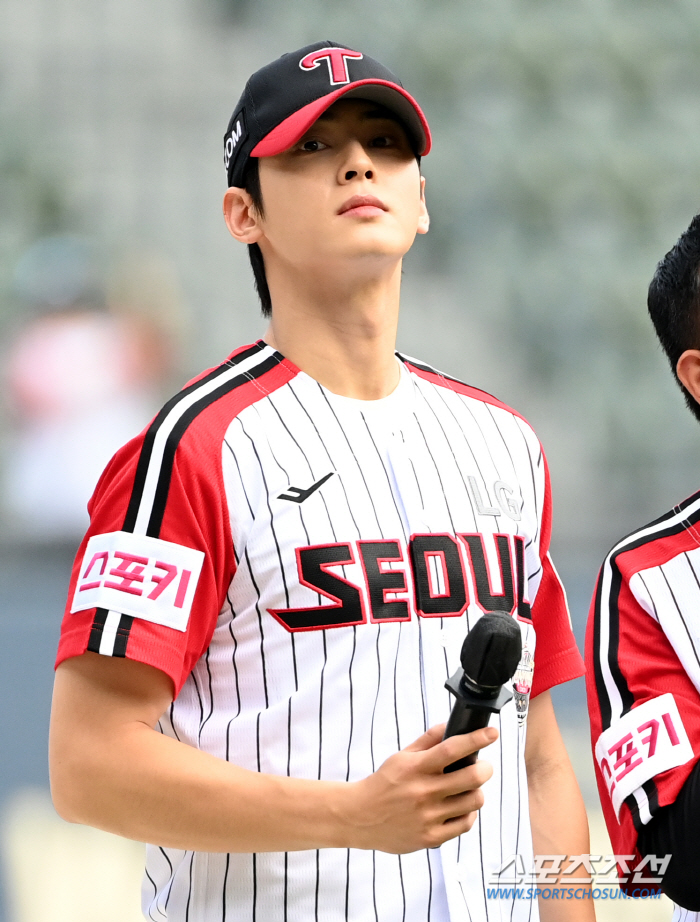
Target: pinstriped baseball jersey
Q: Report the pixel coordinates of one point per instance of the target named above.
(643, 657)
(305, 567)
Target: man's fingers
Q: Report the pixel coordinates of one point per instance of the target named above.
(429, 739)
(466, 779)
(465, 802)
(410, 802)
(456, 747)
(455, 826)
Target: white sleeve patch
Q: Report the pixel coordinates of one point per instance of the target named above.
(648, 740)
(140, 576)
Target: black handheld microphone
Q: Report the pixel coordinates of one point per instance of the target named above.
(490, 655)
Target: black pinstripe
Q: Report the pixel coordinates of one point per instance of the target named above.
(680, 614)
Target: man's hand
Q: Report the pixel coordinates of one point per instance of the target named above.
(409, 803)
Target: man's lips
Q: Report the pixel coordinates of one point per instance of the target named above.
(363, 206)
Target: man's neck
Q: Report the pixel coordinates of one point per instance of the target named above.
(341, 334)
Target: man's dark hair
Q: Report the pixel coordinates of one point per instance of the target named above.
(251, 184)
(674, 302)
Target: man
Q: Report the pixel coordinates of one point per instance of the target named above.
(642, 646)
(281, 570)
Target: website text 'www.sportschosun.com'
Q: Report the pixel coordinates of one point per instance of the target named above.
(569, 893)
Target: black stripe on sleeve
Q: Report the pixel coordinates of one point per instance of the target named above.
(96, 631)
(614, 642)
(122, 638)
(613, 617)
(147, 448)
(603, 699)
(633, 806)
(161, 495)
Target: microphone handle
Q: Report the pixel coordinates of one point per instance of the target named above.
(464, 720)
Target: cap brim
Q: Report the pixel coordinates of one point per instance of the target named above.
(386, 94)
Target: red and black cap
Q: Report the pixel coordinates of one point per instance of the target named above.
(282, 100)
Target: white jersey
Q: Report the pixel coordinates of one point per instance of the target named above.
(305, 567)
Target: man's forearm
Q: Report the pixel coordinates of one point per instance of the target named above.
(557, 812)
(112, 770)
(152, 788)
(560, 827)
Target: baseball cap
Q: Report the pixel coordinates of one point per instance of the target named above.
(282, 100)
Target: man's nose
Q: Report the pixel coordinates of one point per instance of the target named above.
(356, 163)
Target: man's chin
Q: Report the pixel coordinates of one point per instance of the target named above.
(375, 249)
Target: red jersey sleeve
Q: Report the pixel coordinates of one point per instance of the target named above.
(153, 570)
(194, 519)
(643, 708)
(557, 658)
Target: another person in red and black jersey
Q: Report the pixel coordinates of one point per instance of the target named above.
(643, 642)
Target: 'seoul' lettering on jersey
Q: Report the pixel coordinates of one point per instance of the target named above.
(431, 576)
(646, 741)
(140, 576)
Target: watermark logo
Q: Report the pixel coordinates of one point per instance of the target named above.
(597, 869)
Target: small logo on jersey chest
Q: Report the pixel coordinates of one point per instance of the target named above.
(299, 494)
(508, 500)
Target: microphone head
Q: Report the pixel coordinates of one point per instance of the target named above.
(491, 650)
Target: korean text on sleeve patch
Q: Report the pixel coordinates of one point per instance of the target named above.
(648, 740)
(137, 575)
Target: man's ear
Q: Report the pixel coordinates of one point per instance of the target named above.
(423, 217)
(688, 371)
(240, 215)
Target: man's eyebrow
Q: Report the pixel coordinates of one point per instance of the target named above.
(382, 114)
(374, 113)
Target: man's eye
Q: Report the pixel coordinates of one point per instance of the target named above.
(382, 140)
(312, 145)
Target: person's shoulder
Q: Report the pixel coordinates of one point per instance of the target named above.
(247, 364)
(219, 394)
(675, 532)
(469, 391)
(192, 424)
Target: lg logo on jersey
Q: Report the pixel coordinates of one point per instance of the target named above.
(434, 582)
(145, 577)
(505, 496)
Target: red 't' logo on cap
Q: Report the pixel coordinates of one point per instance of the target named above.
(336, 58)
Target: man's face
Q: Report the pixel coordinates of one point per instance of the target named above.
(349, 190)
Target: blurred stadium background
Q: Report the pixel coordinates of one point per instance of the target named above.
(566, 163)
